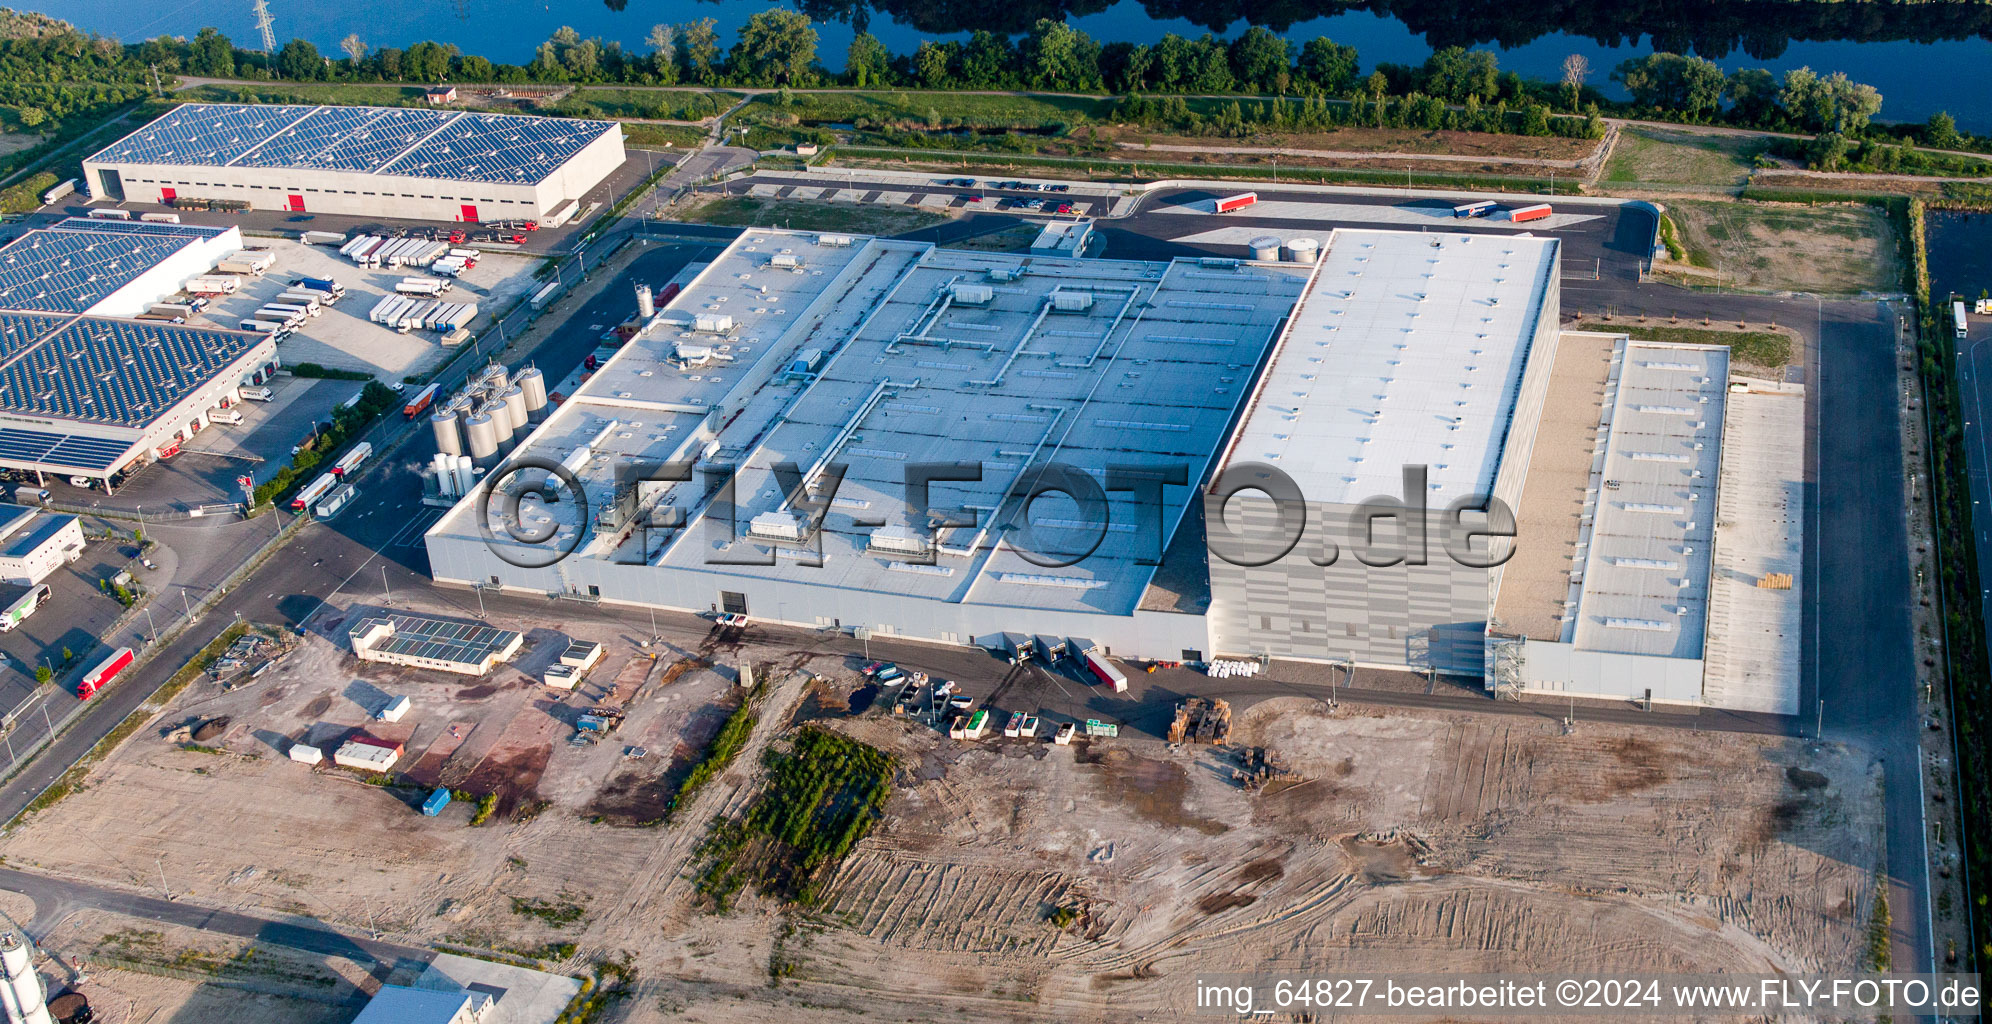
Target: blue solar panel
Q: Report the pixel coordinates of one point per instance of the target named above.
(499, 147)
(347, 138)
(411, 142)
(123, 372)
(68, 271)
(62, 451)
(202, 133)
(137, 227)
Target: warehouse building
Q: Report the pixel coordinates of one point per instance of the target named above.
(34, 544)
(107, 267)
(466, 648)
(96, 397)
(403, 162)
(1401, 390)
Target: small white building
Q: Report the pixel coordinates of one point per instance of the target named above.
(34, 544)
(1063, 238)
(366, 755)
(304, 753)
(582, 655)
(395, 709)
(466, 648)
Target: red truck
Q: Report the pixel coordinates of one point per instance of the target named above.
(1105, 672)
(1237, 202)
(420, 402)
(106, 670)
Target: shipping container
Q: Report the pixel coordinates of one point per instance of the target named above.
(313, 491)
(1237, 202)
(395, 710)
(105, 671)
(1105, 672)
(1524, 214)
(436, 802)
(24, 606)
(1957, 317)
(352, 459)
(420, 402)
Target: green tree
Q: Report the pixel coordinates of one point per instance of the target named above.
(931, 64)
(583, 60)
(1125, 66)
(663, 62)
(1057, 56)
(776, 47)
(1753, 96)
(427, 62)
(986, 60)
(1941, 132)
(300, 61)
(211, 55)
(1828, 152)
(475, 69)
(1328, 65)
(1260, 61)
(1455, 73)
(1173, 57)
(1668, 81)
(867, 63)
(43, 675)
(1834, 104)
(698, 51)
(1210, 66)
(31, 117)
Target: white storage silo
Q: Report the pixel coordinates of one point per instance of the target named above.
(481, 431)
(466, 474)
(1303, 250)
(1265, 248)
(26, 1001)
(533, 382)
(449, 439)
(515, 407)
(646, 304)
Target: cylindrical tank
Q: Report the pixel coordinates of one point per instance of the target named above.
(494, 378)
(515, 407)
(466, 474)
(533, 382)
(1303, 250)
(21, 990)
(449, 439)
(646, 306)
(481, 431)
(1265, 247)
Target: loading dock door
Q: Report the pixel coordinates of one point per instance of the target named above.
(732, 603)
(110, 185)
(469, 213)
(297, 204)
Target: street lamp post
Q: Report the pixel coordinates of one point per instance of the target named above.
(387, 595)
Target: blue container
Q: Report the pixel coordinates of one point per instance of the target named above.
(436, 802)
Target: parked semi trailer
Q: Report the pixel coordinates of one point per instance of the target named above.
(27, 604)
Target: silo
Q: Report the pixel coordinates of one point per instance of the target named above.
(22, 989)
(534, 383)
(493, 378)
(1304, 250)
(1265, 248)
(482, 433)
(443, 468)
(449, 439)
(466, 474)
(514, 400)
(646, 304)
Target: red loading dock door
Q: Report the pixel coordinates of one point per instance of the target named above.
(167, 195)
(469, 213)
(297, 204)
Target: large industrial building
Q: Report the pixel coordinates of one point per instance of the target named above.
(1392, 389)
(405, 162)
(86, 392)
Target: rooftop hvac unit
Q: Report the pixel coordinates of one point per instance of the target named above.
(1066, 300)
(712, 323)
(693, 355)
(972, 294)
(778, 525)
(834, 241)
(898, 539)
(1004, 273)
(784, 261)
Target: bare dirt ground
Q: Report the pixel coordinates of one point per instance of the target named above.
(1407, 841)
(1831, 250)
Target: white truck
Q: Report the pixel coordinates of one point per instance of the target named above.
(427, 286)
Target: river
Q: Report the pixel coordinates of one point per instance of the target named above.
(1923, 57)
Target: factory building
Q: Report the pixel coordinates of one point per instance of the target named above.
(94, 397)
(107, 267)
(1398, 387)
(403, 162)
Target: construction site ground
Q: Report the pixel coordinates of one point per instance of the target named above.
(1393, 840)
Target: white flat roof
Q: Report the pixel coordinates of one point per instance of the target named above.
(1407, 349)
(1646, 557)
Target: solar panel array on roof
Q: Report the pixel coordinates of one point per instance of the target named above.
(122, 372)
(204, 133)
(137, 227)
(42, 447)
(456, 145)
(347, 138)
(463, 643)
(68, 271)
